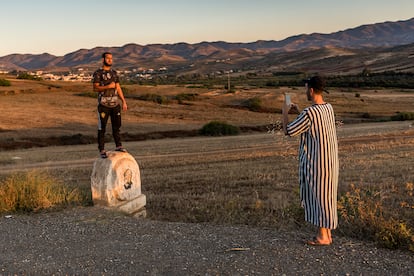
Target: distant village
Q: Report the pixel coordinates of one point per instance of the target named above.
(84, 75)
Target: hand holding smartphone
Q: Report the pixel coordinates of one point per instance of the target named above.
(291, 107)
(288, 102)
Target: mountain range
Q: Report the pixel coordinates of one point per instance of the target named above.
(379, 47)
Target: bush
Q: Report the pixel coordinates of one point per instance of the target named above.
(366, 115)
(33, 191)
(154, 98)
(185, 97)
(403, 116)
(216, 128)
(4, 82)
(253, 104)
(362, 215)
(272, 83)
(27, 76)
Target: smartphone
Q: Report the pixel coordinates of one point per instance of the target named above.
(287, 100)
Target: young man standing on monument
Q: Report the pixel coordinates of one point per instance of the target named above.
(106, 83)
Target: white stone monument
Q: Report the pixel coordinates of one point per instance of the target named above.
(116, 183)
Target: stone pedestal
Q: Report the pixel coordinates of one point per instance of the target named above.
(116, 183)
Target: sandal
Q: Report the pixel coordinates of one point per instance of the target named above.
(316, 242)
(103, 155)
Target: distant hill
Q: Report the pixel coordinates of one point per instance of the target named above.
(381, 46)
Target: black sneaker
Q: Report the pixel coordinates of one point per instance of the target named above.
(121, 149)
(103, 155)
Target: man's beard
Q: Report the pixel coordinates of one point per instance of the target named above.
(107, 64)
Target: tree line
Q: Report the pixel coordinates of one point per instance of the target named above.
(365, 79)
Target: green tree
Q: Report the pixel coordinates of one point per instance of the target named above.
(4, 82)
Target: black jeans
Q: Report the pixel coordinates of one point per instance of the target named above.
(104, 113)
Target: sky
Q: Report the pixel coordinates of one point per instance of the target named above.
(59, 27)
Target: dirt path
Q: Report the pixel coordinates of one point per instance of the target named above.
(88, 162)
(93, 241)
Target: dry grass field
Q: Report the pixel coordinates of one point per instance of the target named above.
(246, 179)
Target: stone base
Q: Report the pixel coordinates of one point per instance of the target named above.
(116, 183)
(140, 214)
(134, 205)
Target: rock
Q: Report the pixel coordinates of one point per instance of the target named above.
(116, 183)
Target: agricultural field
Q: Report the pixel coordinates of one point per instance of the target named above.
(249, 178)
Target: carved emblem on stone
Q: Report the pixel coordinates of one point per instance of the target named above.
(128, 179)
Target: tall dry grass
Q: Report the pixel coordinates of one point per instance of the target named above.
(365, 214)
(34, 191)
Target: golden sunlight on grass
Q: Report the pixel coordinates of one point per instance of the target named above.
(34, 191)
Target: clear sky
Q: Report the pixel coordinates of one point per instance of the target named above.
(59, 27)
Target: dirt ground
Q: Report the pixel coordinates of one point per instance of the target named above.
(94, 241)
(56, 109)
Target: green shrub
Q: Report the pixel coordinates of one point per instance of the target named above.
(272, 83)
(253, 104)
(27, 76)
(185, 97)
(4, 82)
(33, 191)
(403, 116)
(154, 98)
(217, 128)
(366, 115)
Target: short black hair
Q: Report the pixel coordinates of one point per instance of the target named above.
(317, 83)
(106, 53)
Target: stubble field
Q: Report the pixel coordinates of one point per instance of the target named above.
(246, 179)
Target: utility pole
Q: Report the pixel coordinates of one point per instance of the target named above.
(228, 81)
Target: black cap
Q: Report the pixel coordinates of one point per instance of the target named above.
(317, 83)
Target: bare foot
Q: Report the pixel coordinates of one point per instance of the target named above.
(316, 242)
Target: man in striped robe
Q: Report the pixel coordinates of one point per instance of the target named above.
(318, 160)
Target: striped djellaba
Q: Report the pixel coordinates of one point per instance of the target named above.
(318, 164)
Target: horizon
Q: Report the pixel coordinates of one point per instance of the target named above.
(30, 28)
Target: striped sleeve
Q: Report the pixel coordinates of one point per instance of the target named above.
(300, 125)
